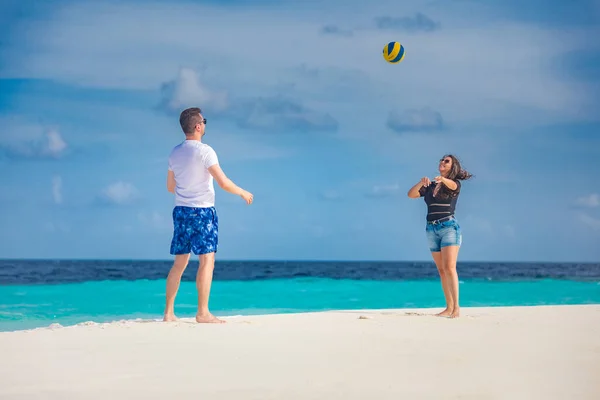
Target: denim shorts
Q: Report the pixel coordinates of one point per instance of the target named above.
(195, 229)
(442, 234)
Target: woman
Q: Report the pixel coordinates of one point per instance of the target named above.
(443, 231)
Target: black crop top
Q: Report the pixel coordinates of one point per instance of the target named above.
(442, 205)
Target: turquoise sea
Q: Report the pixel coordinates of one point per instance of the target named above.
(37, 293)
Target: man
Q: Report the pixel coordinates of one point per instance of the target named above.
(192, 167)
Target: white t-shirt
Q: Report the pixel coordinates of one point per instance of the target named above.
(190, 161)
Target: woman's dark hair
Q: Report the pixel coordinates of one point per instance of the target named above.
(456, 173)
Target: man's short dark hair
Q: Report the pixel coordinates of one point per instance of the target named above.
(189, 118)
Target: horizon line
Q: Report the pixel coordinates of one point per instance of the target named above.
(238, 260)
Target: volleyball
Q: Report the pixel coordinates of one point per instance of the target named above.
(393, 52)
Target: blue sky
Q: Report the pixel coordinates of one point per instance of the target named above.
(304, 112)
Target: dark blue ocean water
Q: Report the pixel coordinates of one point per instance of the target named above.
(38, 293)
(28, 272)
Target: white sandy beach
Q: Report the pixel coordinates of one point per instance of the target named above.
(489, 353)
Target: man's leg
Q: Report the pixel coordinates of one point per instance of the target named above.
(181, 247)
(173, 281)
(205, 243)
(203, 283)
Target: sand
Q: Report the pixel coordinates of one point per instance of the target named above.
(511, 353)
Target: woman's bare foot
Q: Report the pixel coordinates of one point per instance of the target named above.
(208, 319)
(170, 318)
(455, 313)
(447, 312)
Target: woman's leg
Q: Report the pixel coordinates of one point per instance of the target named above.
(437, 258)
(434, 242)
(449, 257)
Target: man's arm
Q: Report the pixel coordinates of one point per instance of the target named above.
(171, 181)
(223, 181)
(227, 184)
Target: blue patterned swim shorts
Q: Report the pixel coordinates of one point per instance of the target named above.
(195, 229)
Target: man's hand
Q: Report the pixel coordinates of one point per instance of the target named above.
(247, 196)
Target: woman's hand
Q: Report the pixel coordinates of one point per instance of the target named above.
(413, 193)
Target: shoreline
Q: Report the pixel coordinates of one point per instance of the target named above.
(515, 352)
(417, 311)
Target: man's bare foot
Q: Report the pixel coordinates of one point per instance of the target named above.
(208, 319)
(455, 313)
(447, 312)
(170, 318)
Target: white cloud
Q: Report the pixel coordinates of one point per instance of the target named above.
(416, 23)
(331, 29)
(155, 220)
(415, 120)
(589, 220)
(231, 147)
(20, 138)
(488, 227)
(384, 190)
(262, 113)
(55, 145)
(458, 69)
(592, 200)
(120, 193)
(186, 90)
(331, 195)
(280, 114)
(57, 189)
(236, 148)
